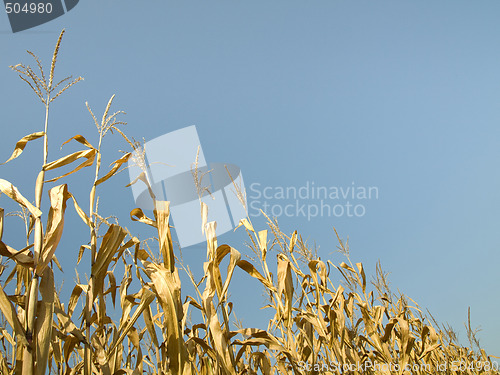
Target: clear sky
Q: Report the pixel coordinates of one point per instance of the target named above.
(403, 96)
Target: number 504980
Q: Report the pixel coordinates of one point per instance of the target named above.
(32, 8)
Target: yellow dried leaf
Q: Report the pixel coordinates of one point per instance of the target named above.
(246, 224)
(252, 271)
(137, 215)
(162, 216)
(116, 166)
(43, 327)
(143, 177)
(362, 273)
(55, 224)
(167, 287)
(80, 212)
(1, 223)
(263, 243)
(21, 144)
(19, 256)
(10, 315)
(109, 246)
(11, 191)
(81, 139)
(147, 298)
(68, 159)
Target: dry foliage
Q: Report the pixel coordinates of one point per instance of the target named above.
(316, 325)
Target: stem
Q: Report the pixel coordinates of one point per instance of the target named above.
(93, 250)
(32, 291)
(92, 202)
(45, 137)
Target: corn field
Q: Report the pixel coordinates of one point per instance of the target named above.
(355, 327)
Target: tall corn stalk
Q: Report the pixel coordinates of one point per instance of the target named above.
(35, 353)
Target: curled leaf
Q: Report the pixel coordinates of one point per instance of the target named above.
(117, 164)
(81, 139)
(21, 144)
(252, 271)
(87, 154)
(19, 256)
(137, 215)
(11, 191)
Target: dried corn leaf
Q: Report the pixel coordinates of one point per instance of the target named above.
(285, 285)
(10, 314)
(362, 273)
(148, 320)
(21, 144)
(246, 224)
(19, 256)
(43, 327)
(263, 244)
(11, 191)
(252, 271)
(67, 326)
(162, 216)
(137, 215)
(221, 343)
(81, 139)
(233, 261)
(80, 212)
(116, 166)
(144, 178)
(146, 299)
(55, 224)
(1, 222)
(89, 155)
(167, 287)
(75, 295)
(109, 246)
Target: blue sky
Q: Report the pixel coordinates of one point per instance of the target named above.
(401, 95)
